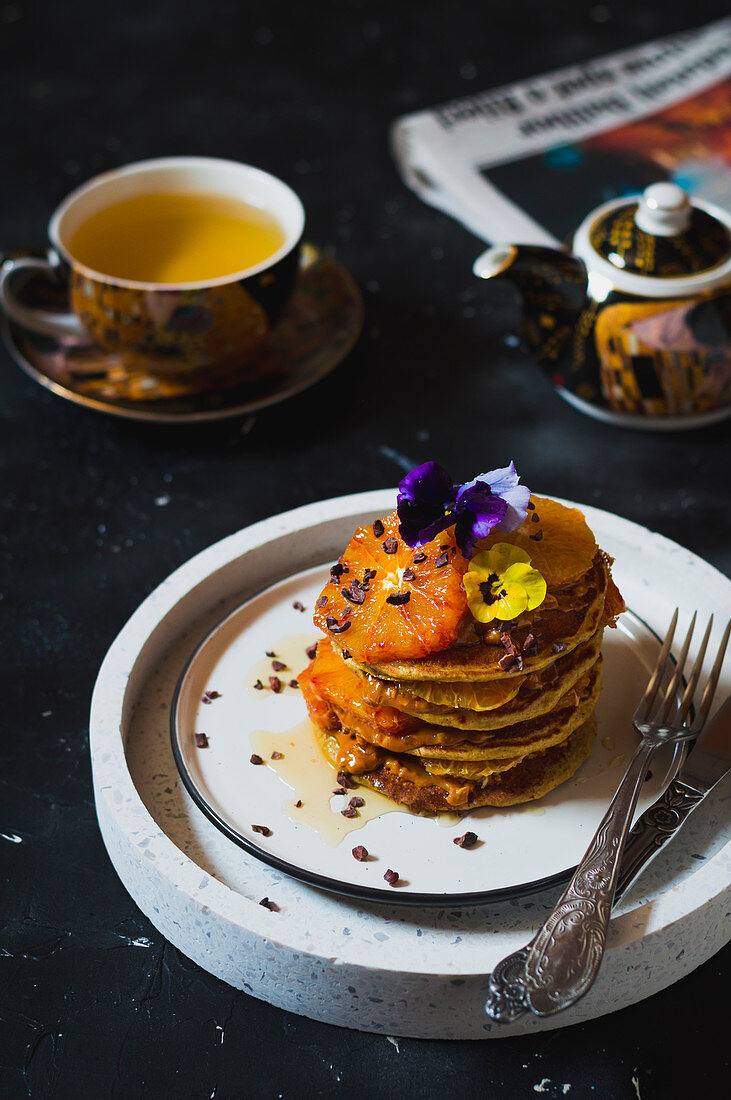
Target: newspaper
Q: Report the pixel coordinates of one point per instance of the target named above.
(527, 161)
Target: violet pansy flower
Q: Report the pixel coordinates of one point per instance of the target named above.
(428, 502)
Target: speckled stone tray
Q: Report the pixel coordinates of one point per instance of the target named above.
(410, 972)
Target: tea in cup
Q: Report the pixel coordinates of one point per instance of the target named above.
(181, 265)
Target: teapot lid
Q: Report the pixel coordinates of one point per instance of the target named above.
(663, 234)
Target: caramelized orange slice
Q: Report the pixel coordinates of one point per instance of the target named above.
(386, 601)
(336, 683)
(560, 543)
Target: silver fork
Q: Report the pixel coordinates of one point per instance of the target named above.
(560, 963)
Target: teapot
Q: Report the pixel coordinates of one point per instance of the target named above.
(634, 325)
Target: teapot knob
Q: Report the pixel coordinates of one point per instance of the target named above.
(664, 210)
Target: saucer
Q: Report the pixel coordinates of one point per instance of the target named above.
(316, 331)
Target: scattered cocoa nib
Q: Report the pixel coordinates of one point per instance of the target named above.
(535, 518)
(320, 601)
(419, 558)
(263, 829)
(335, 627)
(277, 755)
(355, 595)
(311, 651)
(255, 758)
(201, 741)
(558, 647)
(508, 644)
(441, 560)
(298, 605)
(209, 696)
(346, 781)
(530, 645)
(409, 575)
(537, 537)
(356, 802)
(337, 570)
(398, 597)
(531, 505)
(378, 528)
(339, 790)
(270, 653)
(275, 684)
(511, 662)
(294, 683)
(298, 804)
(391, 877)
(369, 575)
(389, 545)
(346, 654)
(467, 840)
(270, 905)
(360, 853)
(349, 811)
(258, 686)
(278, 666)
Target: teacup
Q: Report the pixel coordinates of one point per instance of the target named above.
(210, 328)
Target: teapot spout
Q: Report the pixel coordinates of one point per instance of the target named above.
(553, 289)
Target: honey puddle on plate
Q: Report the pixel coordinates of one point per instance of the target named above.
(302, 766)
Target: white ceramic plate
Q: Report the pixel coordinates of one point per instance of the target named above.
(521, 849)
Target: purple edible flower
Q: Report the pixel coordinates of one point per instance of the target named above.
(424, 504)
(428, 502)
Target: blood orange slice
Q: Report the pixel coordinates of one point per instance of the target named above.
(387, 601)
(558, 539)
(336, 683)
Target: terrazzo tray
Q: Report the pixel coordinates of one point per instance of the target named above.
(367, 965)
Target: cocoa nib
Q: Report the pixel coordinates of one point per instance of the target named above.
(467, 840)
(349, 811)
(311, 651)
(559, 647)
(263, 829)
(398, 597)
(334, 626)
(442, 560)
(391, 877)
(420, 557)
(275, 684)
(378, 528)
(409, 575)
(255, 758)
(355, 595)
(201, 741)
(270, 905)
(277, 755)
(339, 790)
(278, 666)
(346, 781)
(209, 696)
(320, 601)
(360, 853)
(258, 685)
(356, 802)
(389, 545)
(298, 605)
(270, 653)
(511, 663)
(298, 804)
(530, 646)
(537, 537)
(294, 683)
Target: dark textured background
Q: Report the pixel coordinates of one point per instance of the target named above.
(306, 91)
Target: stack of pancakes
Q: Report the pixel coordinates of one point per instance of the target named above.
(501, 716)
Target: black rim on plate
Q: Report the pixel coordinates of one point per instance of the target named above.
(338, 886)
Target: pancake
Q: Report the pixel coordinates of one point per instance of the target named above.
(408, 783)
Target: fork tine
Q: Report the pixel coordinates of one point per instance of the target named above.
(651, 691)
(710, 689)
(672, 689)
(693, 678)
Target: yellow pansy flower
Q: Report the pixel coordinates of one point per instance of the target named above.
(501, 584)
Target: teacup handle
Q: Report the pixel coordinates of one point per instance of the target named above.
(48, 322)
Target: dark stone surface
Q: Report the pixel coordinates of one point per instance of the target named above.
(93, 1002)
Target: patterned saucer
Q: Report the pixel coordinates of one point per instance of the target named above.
(318, 328)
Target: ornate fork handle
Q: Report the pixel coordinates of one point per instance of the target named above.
(506, 996)
(565, 955)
